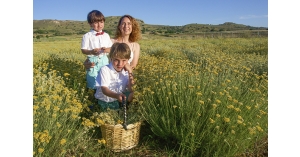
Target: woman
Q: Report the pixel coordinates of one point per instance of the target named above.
(128, 31)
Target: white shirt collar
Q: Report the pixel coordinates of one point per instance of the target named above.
(94, 32)
(111, 67)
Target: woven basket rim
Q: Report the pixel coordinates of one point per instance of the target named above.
(129, 126)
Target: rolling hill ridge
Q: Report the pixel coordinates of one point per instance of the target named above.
(52, 27)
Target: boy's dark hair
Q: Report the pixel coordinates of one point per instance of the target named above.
(95, 16)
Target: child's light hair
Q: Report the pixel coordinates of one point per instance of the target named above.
(119, 50)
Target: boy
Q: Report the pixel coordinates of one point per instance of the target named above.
(95, 44)
(113, 82)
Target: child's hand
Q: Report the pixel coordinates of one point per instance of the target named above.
(97, 51)
(105, 50)
(120, 97)
(87, 64)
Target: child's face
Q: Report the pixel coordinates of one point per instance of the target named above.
(97, 26)
(119, 63)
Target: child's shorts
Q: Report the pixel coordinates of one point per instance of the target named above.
(111, 105)
(92, 73)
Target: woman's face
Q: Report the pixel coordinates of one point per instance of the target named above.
(125, 26)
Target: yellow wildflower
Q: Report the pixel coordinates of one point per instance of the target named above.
(251, 130)
(190, 86)
(227, 119)
(63, 141)
(99, 121)
(35, 107)
(240, 117)
(258, 116)
(262, 112)
(230, 106)
(235, 101)
(259, 128)
(41, 150)
(58, 125)
(119, 121)
(214, 105)
(232, 131)
(201, 102)
(102, 141)
(237, 109)
(199, 93)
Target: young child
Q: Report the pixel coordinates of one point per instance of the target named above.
(95, 44)
(113, 82)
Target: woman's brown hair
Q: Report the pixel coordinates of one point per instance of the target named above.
(135, 35)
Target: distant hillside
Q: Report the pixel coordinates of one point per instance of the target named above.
(50, 27)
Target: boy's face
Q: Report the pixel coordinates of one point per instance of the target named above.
(119, 63)
(97, 26)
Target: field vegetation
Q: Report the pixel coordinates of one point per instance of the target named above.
(197, 96)
(55, 28)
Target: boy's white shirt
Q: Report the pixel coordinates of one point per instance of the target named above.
(91, 41)
(115, 81)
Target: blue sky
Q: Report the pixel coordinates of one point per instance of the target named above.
(161, 12)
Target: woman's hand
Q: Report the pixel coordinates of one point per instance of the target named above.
(128, 68)
(131, 79)
(87, 64)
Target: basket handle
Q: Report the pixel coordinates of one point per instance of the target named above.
(125, 115)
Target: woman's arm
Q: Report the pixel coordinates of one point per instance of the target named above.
(130, 82)
(136, 55)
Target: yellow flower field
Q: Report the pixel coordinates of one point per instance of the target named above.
(202, 97)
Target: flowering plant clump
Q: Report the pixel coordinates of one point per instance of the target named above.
(211, 100)
(114, 117)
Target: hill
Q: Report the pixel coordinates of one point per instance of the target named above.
(50, 27)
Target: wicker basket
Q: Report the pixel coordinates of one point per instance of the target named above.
(118, 139)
